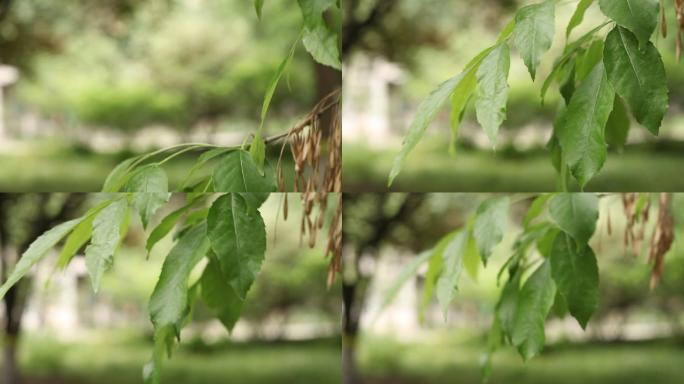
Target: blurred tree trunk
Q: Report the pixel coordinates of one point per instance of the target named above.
(34, 222)
(350, 331)
(328, 80)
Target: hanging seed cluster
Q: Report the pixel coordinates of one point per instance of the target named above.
(637, 214)
(316, 174)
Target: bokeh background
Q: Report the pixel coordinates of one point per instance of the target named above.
(397, 51)
(87, 83)
(57, 331)
(637, 334)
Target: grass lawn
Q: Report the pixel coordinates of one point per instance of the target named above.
(441, 360)
(119, 360)
(430, 169)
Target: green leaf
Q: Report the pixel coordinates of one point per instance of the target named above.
(169, 299)
(447, 284)
(80, 235)
(587, 61)
(163, 343)
(534, 303)
(575, 272)
(639, 16)
(150, 188)
(201, 161)
(638, 75)
(323, 45)
(435, 265)
(259, 6)
(166, 225)
(219, 296)
(578, 16)
(508, 303)
(273, 84)
(576, 214)
(536, 209)
(427, 110)
(490, 225)
(580, 128)
(106, 235)
(238, 238)
(237, 172)
(459, 99)
(617, 128)
(471, 259)
(36, 251)
(492, 82)
(258, 151)
(534, 31)
(118, 176)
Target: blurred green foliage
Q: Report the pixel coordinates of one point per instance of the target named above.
(125, 65)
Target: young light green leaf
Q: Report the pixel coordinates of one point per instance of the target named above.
(534, 303)
(534, 31)
(492, 82)
(169, 299)
(435, 265)
(427, 110)
(638, 76)
(459, 99)
(219, 296)
(578, 16)
(238, 238)
(258, 151)
(575, 271)
(490, 225)
(580, 128)
(80, 235)
(237, 172)
(107, 226)
(273, 84)
(639, 16)
(36, 251)
(471, 258)
(150, 188)
(447, 284)
(118, 176)
(576, 214)
(536, 209)
(618, 125)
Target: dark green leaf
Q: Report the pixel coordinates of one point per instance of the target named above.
(258, 6)
(534, 31)
(580, 129)
(508, 302)
(238, 238)
(639, 16)
(576, 214)
(118, 176)
(258, 151)
(587, 61)
(638, 75)
(617, 128)
(575, 272)
(80, 235)
(237, 172)
(219, 296)
(534, 303)
(459, 99)
(536, 209)
(490, 225)
(169, 299)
